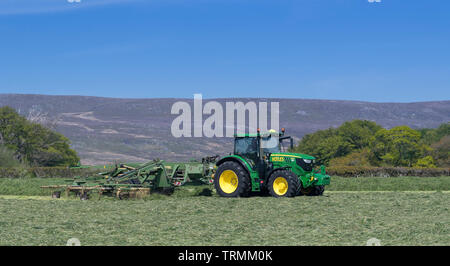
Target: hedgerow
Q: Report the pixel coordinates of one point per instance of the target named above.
(360, 171)
(47, 172)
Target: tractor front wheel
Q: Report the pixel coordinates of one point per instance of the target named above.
(231, 180)
(283, 183)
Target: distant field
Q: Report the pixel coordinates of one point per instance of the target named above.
(27, 186)
(407, 183)
(30, 186)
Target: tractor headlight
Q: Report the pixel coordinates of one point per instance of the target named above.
(305, 164)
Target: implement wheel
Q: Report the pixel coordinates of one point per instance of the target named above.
(283, 183)
(231, 180)
(84, 196)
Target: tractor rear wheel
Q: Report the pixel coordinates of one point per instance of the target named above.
(283, 183)
(231, 180)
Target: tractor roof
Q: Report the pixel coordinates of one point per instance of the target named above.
(262, 134)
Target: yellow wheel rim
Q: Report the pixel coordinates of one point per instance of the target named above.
(280, 186)
(228, 181)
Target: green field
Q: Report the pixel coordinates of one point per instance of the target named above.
(397, 211)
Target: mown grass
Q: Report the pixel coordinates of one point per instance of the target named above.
(398, 211)
(31, 186)
(337, 218)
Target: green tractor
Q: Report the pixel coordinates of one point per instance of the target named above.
(260, 164)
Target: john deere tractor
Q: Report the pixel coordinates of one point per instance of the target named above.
(260, 164)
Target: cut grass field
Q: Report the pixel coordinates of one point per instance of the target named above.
(344, 218)
(397, 211)
(31, 186)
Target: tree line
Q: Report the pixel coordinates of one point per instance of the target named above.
(365, 143)
(354, 143)
(26, 142)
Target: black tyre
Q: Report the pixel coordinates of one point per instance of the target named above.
(283, 183)
(84, 196)
(166, 191)
(231, 180)
(313, 191)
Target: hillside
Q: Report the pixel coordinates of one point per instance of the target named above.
(110, 129)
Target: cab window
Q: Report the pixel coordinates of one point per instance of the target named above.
(270, 144)
(245, 146)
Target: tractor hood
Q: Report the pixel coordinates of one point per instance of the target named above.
(295, 155)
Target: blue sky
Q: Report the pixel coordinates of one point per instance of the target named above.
(394, 51)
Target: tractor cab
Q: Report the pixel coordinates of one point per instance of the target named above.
(261, 162)
(258, 147)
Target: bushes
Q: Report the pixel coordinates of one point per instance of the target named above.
(359, 142)
(337, 142)
(357, 158)
(7, 158)
(10, 166)
(425, 162)
(399, 146)
(33, 143)
(46, 172)
(441, 151)
(360, 171)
